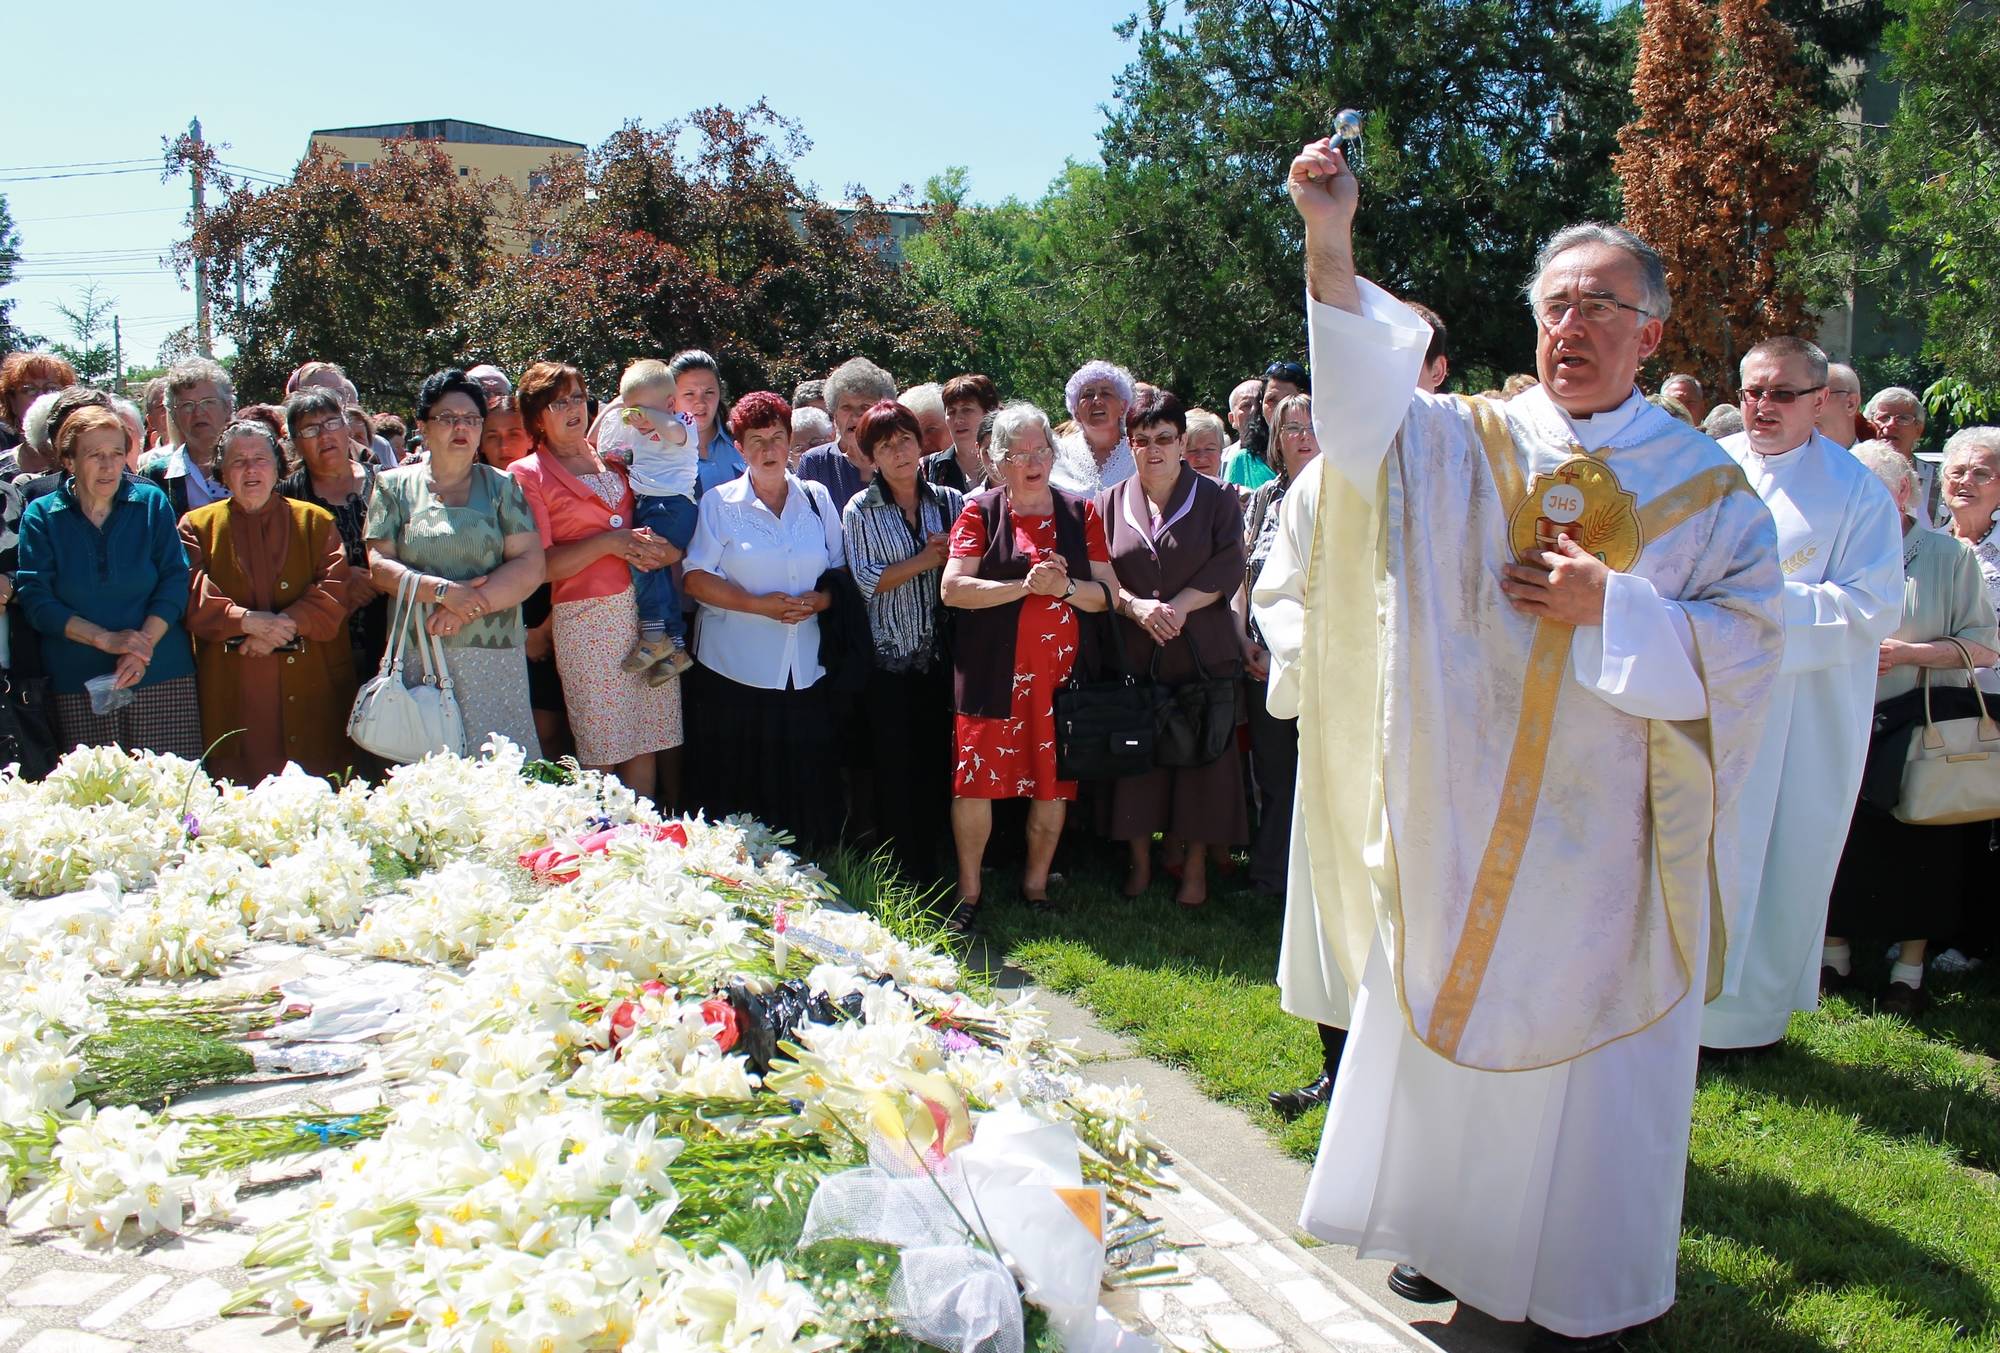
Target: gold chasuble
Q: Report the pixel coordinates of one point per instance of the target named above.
(1537, 861)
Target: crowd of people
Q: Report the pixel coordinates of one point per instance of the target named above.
(848, 612)
(854, 613)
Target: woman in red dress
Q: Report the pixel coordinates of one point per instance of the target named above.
(1025, 558)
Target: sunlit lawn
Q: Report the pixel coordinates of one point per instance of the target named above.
(1841, 1191)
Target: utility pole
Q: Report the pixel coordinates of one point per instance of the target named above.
(117, 357)
(202, 341)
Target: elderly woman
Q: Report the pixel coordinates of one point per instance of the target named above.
(1274, 743)
(202, 402)
(583, 509)
(464, 529)
(765, 742)
(1970, 488)
(267, 608)
(898, 536)
(1097, 455)
(331, 479)
(104, 581)
(1895, 414)
(1176, 542)
(1025, 558)
(24, 378)
(1894, 876)
(856, 386)
(962, 465)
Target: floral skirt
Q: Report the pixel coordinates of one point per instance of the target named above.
(614, 714)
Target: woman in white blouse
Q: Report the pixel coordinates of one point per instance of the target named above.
(764, 740)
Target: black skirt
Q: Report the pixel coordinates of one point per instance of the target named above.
(1897, 881)
(764, 752)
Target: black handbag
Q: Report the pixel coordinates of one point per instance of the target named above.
(27, 730)
(1106, 730)
(1197, 718)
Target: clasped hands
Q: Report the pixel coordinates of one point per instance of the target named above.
(1565, 584)
(461, 604)
(790, 609)
(264, 633)
(134, 651)
(643, 550)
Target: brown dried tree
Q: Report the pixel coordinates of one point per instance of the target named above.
(1718, 171)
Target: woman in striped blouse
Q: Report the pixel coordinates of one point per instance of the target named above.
(897, 534)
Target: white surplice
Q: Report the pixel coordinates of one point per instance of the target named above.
(1548, 1187)
(1840, 543)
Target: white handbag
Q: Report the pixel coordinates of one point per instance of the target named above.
(407, 723)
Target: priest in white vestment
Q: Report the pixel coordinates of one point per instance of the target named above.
(1840, 546)
(1538, 642)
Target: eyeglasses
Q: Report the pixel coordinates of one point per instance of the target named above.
(213, 404)
(1895, 418)
(1976, 475)
(1775, 394)
(1551, 311)
(1295, 428)
(469, 421)
(1042, 457)
(568, 402)
(332, 427)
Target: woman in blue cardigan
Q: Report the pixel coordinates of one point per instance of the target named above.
(103, 579)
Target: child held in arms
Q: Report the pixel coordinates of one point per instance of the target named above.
(658, 447)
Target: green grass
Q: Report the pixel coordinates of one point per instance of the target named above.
(1842, 1190)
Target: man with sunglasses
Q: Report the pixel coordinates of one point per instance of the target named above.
(1530, 648)
(1840, 545)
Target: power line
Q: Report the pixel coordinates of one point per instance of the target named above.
(80, 174)
(96, 215)
(78, 164)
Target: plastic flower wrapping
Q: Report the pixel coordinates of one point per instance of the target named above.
(650, 1083)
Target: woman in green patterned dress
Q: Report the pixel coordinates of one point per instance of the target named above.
(465, 530)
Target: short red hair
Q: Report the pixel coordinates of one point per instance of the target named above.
(22, 369)
(542, 385)
(883, 421)
(759, 409)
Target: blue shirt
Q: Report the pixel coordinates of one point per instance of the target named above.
(829, 467)
(720, 463)
(114, 575)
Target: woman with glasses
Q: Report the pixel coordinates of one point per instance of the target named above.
(464, 529)
(1176, 543)
(24, 378)
(1969, 484)
(329, 477)
(1025, 558)
(1894, 876)
(583, 508)
(1895, 414)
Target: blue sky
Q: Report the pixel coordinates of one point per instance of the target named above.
(889, 93)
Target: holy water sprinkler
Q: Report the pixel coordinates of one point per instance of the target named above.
(1347, 136)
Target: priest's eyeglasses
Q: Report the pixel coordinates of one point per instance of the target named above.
(1776, 394)
(1551, 311)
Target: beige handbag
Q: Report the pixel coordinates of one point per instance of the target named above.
(1953, 773)
(402, 723)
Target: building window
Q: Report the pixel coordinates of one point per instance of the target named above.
(463, 171)
(537, 182)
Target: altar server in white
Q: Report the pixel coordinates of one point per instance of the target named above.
(1840, 545)
(1539, 640)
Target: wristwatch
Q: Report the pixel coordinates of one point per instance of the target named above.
(1070, 590)
(437, 589)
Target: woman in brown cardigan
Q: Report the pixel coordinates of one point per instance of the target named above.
(267, 609)
(1176, 541)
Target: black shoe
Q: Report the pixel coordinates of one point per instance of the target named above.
(1548, 1341)
(963, 920)
(1289, 1104)
(1833, 982)
(1905, 1000)
(1411, 1285)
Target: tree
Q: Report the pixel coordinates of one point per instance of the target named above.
(90, 356)
(1717, 170)
(1914, 210)
(1489, 126)
(10, 259)
(647, 248)
(364, 269)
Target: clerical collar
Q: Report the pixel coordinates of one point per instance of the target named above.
(1631, 423)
